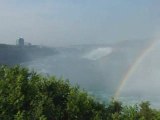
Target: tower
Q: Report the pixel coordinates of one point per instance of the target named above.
(20, 42)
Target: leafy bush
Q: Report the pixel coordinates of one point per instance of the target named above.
(26, 95)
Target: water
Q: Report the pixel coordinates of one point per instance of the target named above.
(100, 69)
(81, 67)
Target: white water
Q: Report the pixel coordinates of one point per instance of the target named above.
(98, 53)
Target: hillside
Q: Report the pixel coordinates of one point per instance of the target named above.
(12, 54)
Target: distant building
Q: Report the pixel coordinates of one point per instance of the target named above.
(27, 44)
(20, 42)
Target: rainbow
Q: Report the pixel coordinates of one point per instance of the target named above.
(134, 67)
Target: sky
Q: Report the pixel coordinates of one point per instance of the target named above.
(72, 22)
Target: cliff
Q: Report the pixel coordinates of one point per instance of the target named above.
(12, 54)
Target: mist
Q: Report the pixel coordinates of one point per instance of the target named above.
(100, 69)
(96, 42)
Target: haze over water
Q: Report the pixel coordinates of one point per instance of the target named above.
(99, 69)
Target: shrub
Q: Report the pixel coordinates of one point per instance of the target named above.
(26, 95)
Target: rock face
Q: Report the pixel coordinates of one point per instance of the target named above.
(11, 54)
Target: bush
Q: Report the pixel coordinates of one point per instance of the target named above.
(26, 95)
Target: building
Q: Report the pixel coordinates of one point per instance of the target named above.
(20, 42)
(27, 44)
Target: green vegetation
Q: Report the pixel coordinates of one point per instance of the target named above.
(26, 95)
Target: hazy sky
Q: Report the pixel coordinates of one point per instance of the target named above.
(65, 22)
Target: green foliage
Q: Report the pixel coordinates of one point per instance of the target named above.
(146, 112)
(130, 113)
(83, 107)
(26, 95)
